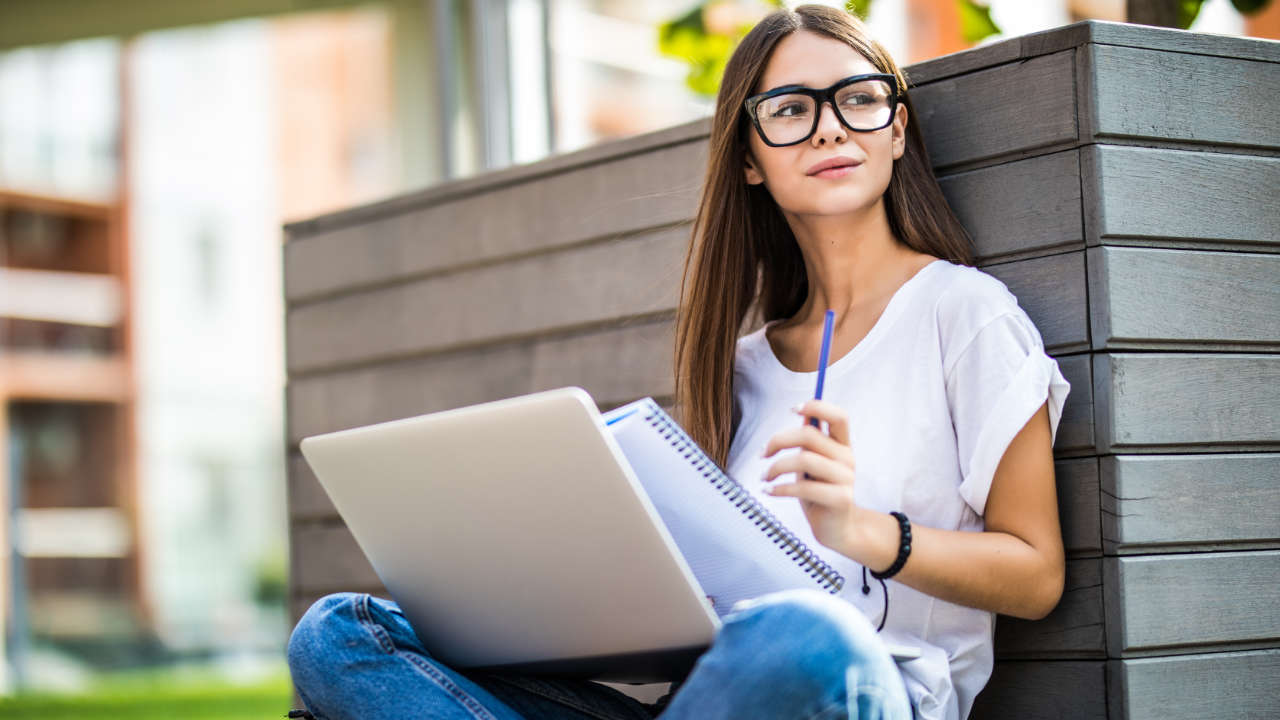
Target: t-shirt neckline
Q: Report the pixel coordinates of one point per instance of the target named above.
(897, 302)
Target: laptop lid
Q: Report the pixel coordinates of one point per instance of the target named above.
(513, 534)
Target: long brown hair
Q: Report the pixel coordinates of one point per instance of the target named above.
(740, 240)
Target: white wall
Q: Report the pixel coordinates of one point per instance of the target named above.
(206, 253)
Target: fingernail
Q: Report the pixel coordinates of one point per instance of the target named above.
(796, 408)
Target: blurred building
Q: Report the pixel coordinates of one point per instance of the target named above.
(149, 154)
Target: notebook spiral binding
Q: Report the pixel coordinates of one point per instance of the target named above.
(826, 576)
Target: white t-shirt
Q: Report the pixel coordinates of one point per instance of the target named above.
(935, 392)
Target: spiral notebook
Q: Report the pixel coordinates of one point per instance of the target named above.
(735, 547)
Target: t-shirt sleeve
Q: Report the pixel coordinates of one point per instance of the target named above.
(994, 385)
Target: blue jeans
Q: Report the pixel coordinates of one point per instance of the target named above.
(794, 654)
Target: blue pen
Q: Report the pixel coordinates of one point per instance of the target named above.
(822, 359)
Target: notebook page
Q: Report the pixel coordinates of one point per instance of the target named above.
(731, 557)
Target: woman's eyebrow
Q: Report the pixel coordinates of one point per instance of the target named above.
(791, 85)
(813, 87)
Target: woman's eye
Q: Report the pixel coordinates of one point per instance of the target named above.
(789, 110)
(860, 99)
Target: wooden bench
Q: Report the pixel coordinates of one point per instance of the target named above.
(1123, 181)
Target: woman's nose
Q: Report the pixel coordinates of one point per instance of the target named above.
(829, 126)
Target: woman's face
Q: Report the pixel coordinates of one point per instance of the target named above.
(817, 61)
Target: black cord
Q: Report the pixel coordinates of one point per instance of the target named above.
(904, 551)
(866, 590)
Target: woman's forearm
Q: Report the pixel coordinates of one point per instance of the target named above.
(993, 571)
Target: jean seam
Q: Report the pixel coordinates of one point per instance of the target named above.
(383, 638)
(433, 674)
(563, 699)
(378, 632)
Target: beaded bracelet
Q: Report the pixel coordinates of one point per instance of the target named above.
(904, 548)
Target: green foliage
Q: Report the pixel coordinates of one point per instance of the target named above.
(271, 579)
(860, 8)
(158, 696)
(1187, 12)
(975, 21)
(1249, 7)
(706, 52)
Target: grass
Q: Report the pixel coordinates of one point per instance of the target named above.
(152, 695)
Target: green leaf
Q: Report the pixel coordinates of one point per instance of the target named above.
(1187, 12)
(679, 37)
(861, 8)
(686, 37)
(1249, 7)
(975, 21)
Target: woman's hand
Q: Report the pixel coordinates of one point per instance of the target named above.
(825, 473)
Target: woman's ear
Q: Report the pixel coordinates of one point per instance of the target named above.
(899, 138)
(753, 175)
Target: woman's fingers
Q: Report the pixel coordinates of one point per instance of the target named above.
(812, 439)
(835, 497)
(836, 418)
(817, 466)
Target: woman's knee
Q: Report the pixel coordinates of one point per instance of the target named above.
(812, 633)
(323, 637)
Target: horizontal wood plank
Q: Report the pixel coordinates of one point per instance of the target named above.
(1052, 290)
(307, 499)
(1172, 604)
(1021, 207)
(1044, 690)
(1079, 505)
(1159, 402)
(598, 283)
(328, 559)
(1192, 687)
(457, 188)
(1180, 197)
(1182, 503)
(1144, 298)
(620, 196)
(613, 365)
(1074, 629)
(1157, 38)
(1143, 93)
(1075, 427)
(968, 118)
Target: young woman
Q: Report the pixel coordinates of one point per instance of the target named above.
(932, 463)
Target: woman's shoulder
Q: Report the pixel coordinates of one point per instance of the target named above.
(967, 300)
(965, 287)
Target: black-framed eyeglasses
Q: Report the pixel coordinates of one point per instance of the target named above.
(789, 114)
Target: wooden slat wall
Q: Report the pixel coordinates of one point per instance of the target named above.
(1193, 687)
(1105, 181)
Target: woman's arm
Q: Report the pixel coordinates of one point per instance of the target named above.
(1015, 567)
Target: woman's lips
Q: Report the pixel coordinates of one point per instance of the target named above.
(835, 172)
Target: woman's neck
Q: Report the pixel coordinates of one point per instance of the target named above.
(851, 261)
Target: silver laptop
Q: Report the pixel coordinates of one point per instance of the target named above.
(514, 535)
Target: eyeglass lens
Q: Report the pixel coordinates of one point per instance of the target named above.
(864, 105)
